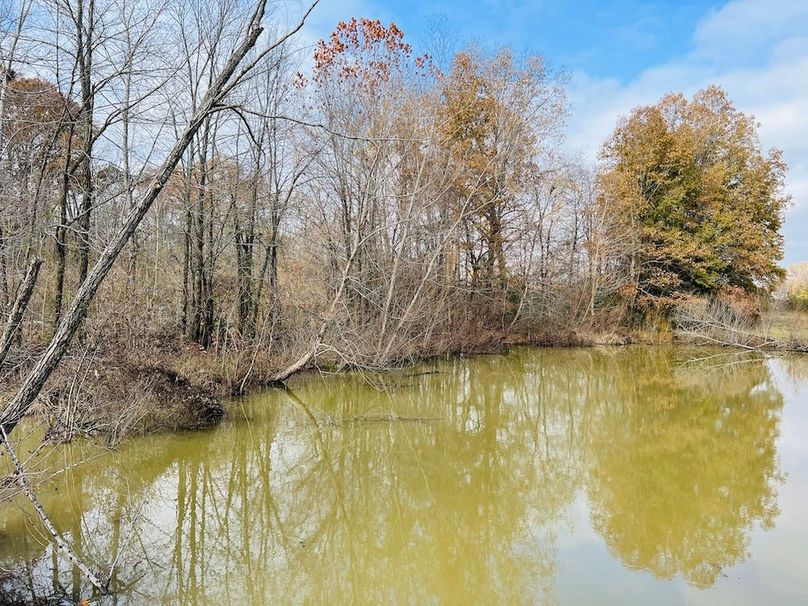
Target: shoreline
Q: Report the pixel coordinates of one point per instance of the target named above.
(183, 388)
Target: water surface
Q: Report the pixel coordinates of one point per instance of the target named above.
(581, 476)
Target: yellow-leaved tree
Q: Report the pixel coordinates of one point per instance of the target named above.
(696, 202)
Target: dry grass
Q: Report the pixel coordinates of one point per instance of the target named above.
(713, 321)
(787, 325)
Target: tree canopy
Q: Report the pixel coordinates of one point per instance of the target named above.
(696, 200)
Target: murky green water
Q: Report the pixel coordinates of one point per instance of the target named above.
(625, 476)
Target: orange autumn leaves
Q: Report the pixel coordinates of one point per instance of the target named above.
(363, 52)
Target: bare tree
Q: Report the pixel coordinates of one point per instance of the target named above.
(228, 78)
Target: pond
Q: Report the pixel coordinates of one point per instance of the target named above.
(548, 476)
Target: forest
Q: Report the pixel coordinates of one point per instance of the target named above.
(193, 206)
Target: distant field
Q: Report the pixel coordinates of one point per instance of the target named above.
(787, 325)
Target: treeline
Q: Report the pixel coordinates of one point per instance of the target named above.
(362, 205)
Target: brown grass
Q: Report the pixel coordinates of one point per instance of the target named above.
(787, 325)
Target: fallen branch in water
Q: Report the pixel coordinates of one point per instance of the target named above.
(64, 547)
(387, 419)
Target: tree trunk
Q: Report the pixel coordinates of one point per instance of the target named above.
(14, 321)
(61, 250)
(85, 51)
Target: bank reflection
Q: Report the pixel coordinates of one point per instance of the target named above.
(449, 487)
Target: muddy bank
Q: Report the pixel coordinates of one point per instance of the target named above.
(114, 393)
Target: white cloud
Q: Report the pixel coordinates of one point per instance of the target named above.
(743, 29)
(758, 52)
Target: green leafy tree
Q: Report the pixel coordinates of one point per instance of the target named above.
(697, 203)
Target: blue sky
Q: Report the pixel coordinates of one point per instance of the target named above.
(623, 53)
(618, 38)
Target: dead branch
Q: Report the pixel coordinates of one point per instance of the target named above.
(64, 547)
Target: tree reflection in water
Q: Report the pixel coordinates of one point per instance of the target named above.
(683, 464)
(444, 488)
